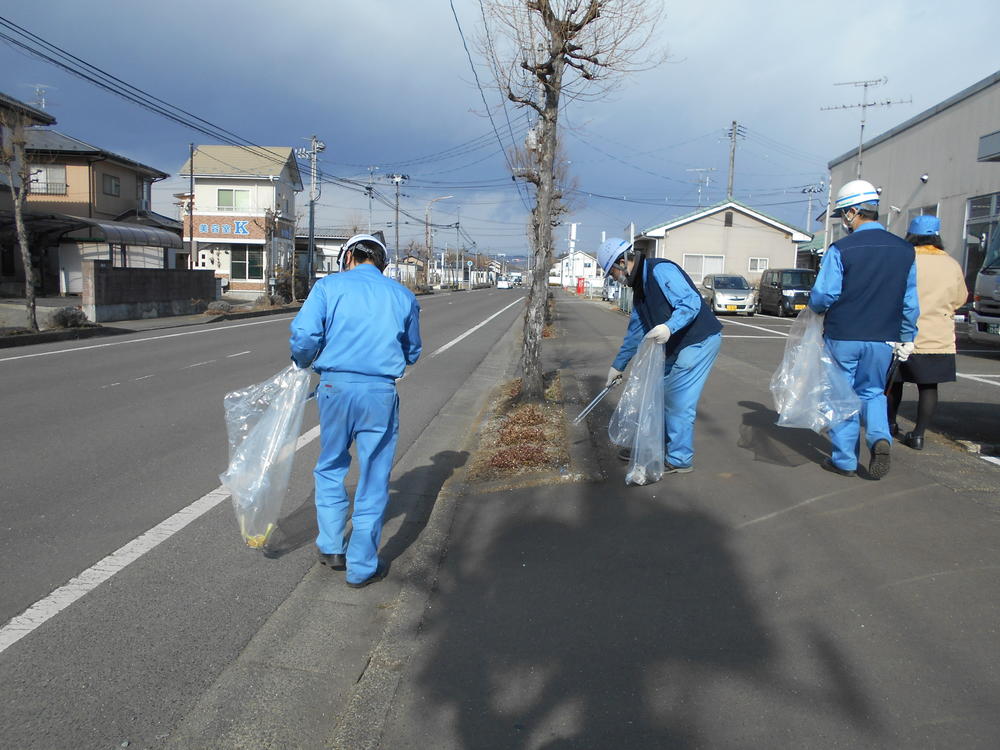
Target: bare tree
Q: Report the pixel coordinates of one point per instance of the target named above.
(541, 53)
(15, 163)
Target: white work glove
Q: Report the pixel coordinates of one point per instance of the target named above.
(660, 334)
(613, 377)
(902, 349)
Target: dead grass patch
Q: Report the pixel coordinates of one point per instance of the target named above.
(517, 439)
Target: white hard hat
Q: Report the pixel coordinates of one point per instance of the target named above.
(610, 250)
(855, 193)
(370, 245)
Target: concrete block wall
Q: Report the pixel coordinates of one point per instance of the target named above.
(111, 293)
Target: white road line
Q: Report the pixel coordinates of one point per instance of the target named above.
(199, 364)
(47, 608)
(148, 338)
(144, 377)
(811, 500)
(759, 328)
(978, 378)
(991, 459)
(238, 354)
(473, 329)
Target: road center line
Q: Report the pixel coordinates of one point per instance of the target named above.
(979, 378)
(473, 329)
(759, 328)
(45, 609)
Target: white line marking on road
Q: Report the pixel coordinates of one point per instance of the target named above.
(759, 328)
(238, 354)
(199, 364)
(144, 377)
(473, 329)
(110, 385)
(148, 338)
(819, 497)
(991, 459)
(47, 608)
(977, 378)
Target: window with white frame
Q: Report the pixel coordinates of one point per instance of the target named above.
(699, 266)
(230, 199)
(921, 211)
(48, 179)
(757, 265)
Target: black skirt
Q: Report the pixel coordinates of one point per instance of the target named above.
(927, 368)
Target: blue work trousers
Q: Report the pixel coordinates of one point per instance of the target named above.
(365, 411)
(685, 376)
(865, 363)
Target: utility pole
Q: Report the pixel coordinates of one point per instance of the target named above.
(427, 229)
(458, 225)
(191, 254)
(315, 147)
(810, 191)
(371, 194)
(734, 131)
(398, 179)
(707, 177)
(865, 104)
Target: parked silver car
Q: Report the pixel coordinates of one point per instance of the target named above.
(728, 293)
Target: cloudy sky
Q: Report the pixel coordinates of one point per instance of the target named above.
(387, 85)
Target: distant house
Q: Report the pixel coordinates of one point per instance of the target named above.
(729, 237)
(243, 225)
(570, 268)
(86, 203)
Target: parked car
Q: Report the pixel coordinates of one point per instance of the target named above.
(504, 284)
(784, 291)
(728, 293)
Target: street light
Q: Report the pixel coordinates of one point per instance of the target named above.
(427, 235)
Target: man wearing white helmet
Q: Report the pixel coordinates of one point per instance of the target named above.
(359, 330)
(867, 287)
(666, 307)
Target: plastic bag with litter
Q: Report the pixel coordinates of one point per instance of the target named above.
(263, 423)
(637, 421)
(809, 388)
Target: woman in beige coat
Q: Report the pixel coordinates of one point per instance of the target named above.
(941, 289)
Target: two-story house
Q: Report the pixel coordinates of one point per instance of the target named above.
(242, 222)
(87, 203)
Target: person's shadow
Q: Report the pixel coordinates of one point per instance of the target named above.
(411, 495)
(771, 443)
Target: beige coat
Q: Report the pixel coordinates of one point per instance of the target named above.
(941, 289)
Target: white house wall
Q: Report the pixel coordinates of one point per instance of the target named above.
(747, 238)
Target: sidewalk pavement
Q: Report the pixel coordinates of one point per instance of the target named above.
(756, 602)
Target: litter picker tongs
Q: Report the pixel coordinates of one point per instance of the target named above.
(597, 399)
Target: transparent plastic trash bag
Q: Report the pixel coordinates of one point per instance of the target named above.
(263, 423)
(809, 388)
(637, 421)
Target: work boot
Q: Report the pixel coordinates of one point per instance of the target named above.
(334, 561)
(830, 466)
(914, 440)
(878, 466)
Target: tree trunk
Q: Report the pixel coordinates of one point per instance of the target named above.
(18, 194)
(532, 387)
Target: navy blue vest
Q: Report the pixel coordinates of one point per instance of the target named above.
(654, 308)
(876, 267)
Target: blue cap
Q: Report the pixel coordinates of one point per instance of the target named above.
(925, 225)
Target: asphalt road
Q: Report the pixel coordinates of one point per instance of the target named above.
(757, 602)
(104, 440)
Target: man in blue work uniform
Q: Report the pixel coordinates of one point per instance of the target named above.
(359, 330)
(667, 308)
(867, 286)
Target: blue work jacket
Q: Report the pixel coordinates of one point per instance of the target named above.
(357, 321)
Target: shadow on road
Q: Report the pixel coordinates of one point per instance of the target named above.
(411, 496)
(608, 621)
(785, 446)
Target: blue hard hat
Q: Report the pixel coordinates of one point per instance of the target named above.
(610, 251)
(925, 225)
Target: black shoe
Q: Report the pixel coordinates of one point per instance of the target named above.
(894, 429)
(334, 561)
(914, 441)
(669, 468)
(878, 466)
(829, 465)
(625, 454)
(381, 571)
